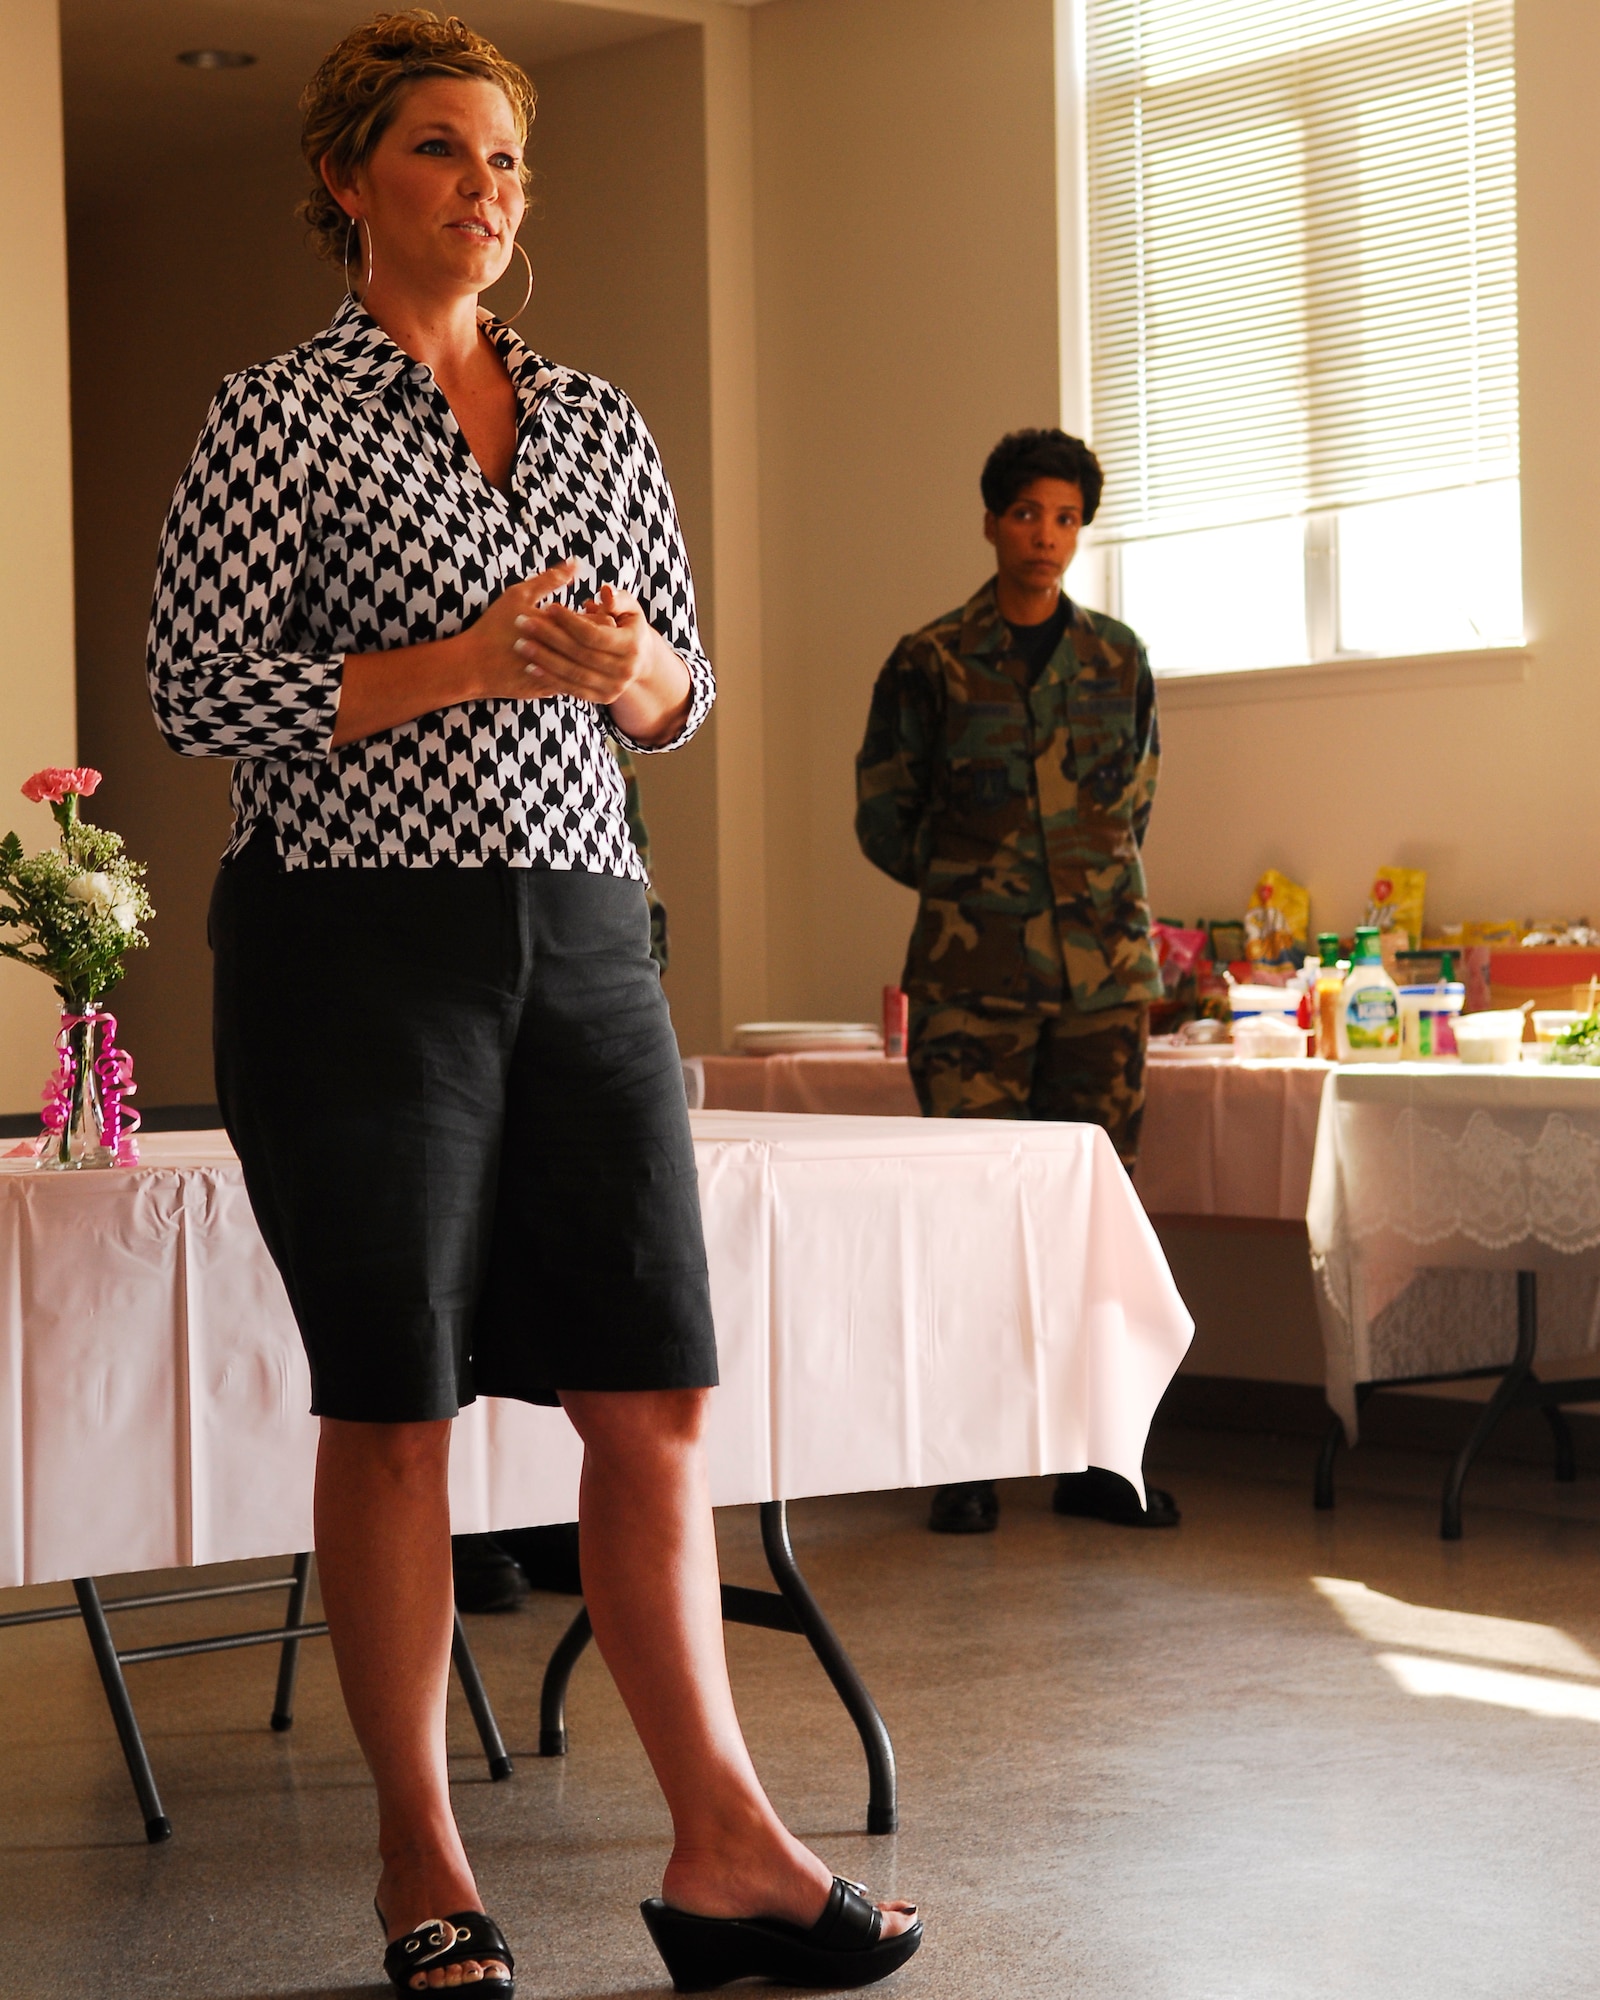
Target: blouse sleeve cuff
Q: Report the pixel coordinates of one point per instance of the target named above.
(703, 692)
(280, 706)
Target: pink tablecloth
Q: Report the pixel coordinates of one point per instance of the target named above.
(897, 1302)
(871, 1086)
(1220, 1137)
(1229, 1138)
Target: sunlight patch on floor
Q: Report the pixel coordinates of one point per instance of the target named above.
(1510, 1642)
(1572, 1701)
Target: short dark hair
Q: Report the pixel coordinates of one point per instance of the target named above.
(1021, 457)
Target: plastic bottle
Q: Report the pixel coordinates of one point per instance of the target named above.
(1326, 998)
(1447, 1032)
(1369, 1006)
(1305, 1018)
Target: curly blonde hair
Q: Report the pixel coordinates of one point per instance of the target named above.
(351, 101)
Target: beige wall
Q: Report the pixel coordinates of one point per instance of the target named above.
(1486, 785)
(36, 686)
(903, 210)
(906, 207)
(619, 241)
(160, 314)
(906, 287)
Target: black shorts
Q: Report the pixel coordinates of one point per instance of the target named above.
(458, 1103)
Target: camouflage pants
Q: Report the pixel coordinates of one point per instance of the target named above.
(969, 1062)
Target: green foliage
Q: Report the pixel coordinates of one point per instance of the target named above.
(73, 911)
(1578, 1044)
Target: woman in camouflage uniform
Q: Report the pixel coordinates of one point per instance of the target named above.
(1007, 776)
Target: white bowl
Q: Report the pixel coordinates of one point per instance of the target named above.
(1493, 1037)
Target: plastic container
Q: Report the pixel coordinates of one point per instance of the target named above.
(1427, 1020)
(1249, 1000)
(1492, 1037)
(1369, 1006)
(1262, 1036)
(1549, 1022)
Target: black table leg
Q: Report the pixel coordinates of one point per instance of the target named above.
(1322, 1486)
(1561, 1434)
(1508, 1391)
(793, 1609)
(553, 1694)
(882, 1807)
(156, 1824)
(471, 1680)
(289, 1657)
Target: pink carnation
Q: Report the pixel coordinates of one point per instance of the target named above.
(51, 786)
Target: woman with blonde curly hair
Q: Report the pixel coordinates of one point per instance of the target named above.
(412, 581)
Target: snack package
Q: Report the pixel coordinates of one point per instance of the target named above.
(1178, 949)
(1227, 941)
(1181, 951)
(1211, 992)
(1473, 969)
(1277, 921)
(1500, 931)
(1396, 903)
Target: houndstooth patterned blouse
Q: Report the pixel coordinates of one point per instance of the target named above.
(333, 506)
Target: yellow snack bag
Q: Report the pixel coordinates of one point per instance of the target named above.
(1396, 902)
(1492, 931)
(1277, 922)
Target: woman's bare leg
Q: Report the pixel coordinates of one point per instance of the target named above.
(649, 1555)
(383, 1562)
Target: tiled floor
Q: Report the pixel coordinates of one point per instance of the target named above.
(1133, 1766)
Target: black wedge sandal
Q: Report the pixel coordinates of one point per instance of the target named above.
(844, 1947)
(443, 1941)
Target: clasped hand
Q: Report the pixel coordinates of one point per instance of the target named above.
(533, 647)
(527, 648)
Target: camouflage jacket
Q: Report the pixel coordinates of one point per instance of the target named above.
(1016, 814)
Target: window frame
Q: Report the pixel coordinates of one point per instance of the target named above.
(1328, 669)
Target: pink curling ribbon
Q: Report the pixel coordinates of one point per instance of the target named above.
(114, 1067)
(113, 1070)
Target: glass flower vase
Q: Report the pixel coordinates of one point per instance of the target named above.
(74, 1101)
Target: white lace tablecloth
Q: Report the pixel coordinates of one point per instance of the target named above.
(898, 1302)
(1431, 1188)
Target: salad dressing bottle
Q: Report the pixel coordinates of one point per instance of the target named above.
(1369, 1006)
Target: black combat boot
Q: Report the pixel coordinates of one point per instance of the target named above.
(970, 1508)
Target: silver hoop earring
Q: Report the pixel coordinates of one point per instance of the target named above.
(352, 239)
(510, 319)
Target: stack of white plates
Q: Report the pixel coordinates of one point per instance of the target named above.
(791, 1038)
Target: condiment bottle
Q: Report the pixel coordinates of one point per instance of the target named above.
(1329, 980)
(1306, 1013)
(896, 1009)
(1369, 1006)
(1447, 1029)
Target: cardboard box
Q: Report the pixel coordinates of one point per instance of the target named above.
(1555, 975)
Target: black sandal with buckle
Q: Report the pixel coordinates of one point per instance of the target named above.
(442, 1941)
(844, 1947)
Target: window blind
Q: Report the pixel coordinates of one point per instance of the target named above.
(1302, 254)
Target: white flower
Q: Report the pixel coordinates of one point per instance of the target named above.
(105, 898)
